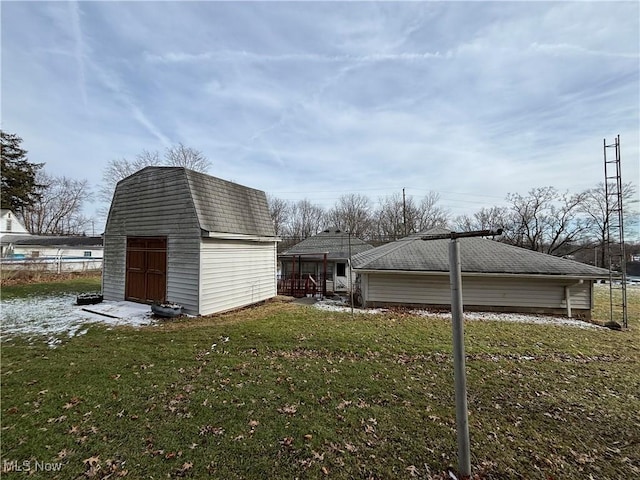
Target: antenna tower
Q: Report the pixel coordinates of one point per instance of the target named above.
(615, 233)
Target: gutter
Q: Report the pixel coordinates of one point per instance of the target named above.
(558, 276)
(238, 236)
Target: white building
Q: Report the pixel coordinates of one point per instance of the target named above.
(176, 235)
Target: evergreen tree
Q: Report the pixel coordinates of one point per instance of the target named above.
(19, 186)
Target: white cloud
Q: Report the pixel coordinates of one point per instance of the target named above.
(473, 99)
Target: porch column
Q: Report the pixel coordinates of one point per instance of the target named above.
(324, 275)
(293, 272)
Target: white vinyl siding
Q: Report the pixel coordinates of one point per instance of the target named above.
(182, 272)
(235, 274)
(114, 267)
(478, 291)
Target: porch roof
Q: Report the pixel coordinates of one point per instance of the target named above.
(333, 242)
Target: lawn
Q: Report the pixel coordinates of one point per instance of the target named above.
(288, 391)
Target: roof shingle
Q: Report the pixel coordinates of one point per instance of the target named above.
(477, 255)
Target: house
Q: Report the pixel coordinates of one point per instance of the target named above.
(10, 225)
(495, 277)
(176, 235)
(61, 253)
(320, 262)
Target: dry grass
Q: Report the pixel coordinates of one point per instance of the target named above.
(35, 276)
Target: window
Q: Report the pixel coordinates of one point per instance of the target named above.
(87, 253)
(8, 223)
(341, 269)
(35, 254)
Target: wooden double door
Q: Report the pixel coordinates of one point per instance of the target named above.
(146, 279)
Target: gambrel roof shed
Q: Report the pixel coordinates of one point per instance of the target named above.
(496, 276)
(181, 236)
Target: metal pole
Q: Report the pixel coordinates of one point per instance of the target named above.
(350, 279)
(404, 213)
(460, 377)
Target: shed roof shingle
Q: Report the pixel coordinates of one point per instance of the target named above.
(228, 207)
(477, 255)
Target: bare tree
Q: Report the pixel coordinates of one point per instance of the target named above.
(175, 156)
(59, 211)
(279, 210)
(396, 217)
(182, 156)
(600, 214)
(484, 219)
(546, 221)
(430, 215)
(352, 213)
(306, 219)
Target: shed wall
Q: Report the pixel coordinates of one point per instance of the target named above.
(481, 291)
(236, 274)
(157, 205)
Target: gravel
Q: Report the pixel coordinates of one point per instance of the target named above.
(342, 306)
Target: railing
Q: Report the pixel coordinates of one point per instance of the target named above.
(299, 286)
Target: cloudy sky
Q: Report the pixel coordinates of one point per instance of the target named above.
(312, 100)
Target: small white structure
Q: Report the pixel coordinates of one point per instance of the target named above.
(495, 276)
(10, 225)
(176, 235)
(59, 253)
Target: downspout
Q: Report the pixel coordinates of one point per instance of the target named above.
(567, 295)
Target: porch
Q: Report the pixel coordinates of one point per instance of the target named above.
(304, 276)
(305, 285)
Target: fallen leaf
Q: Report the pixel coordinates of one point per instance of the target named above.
(287, 441)
(64, 453)
(413, 471)
(92, 461)
(288, 409)
(186, 466)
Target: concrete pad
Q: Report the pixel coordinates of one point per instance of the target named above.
(122, 310)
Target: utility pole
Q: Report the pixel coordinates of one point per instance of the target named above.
(404, 213)
(459, 370)
(350, 279)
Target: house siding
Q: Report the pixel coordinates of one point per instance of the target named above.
(235, 274)
(113, 270)
(497, 292)
(157, 205)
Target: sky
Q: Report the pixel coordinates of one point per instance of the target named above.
(314, 100)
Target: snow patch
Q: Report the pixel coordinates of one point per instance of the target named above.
(342, 306)
(56, 317)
